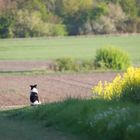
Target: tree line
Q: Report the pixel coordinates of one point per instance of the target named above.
(35, 18)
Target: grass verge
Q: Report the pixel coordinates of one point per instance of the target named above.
(95, 119)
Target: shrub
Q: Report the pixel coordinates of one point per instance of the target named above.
(87, 65)
(71, 64)
(111, 58)
(57, 30)
(66, 63)
(126, 87)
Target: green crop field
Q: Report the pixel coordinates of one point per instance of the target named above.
(77, 47)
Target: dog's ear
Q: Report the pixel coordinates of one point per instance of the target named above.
(35, 85)
(31, 86)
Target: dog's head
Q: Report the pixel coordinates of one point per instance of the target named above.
(34, 88)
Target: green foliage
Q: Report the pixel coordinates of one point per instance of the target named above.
(129, 6)
(66, 63)
(74, 13)
(6, 22)
(87, 65)
(27, 24)
(90, 19)
(67, 8)
(57, 30)
(71, 64)
(112, 21)
(100, 10)
(70, 17)
(30, 25)
(111, 58)
(33, 5)
(131, 85)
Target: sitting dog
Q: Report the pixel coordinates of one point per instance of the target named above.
(34, 99)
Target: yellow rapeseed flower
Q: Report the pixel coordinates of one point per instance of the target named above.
(130, 81)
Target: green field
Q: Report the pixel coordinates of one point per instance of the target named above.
(78, 47)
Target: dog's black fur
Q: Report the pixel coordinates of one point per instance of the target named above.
(33, 95)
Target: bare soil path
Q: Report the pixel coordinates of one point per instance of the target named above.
(23, 65)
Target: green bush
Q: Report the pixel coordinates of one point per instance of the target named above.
(66, 63)
(71, 64)
(57, 30)
(87, 65)
(111, 58)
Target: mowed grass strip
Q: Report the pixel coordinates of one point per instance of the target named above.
(11, 129)
(77, 47)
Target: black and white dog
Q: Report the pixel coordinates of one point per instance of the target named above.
(34, 98)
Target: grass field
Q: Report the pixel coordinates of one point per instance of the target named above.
(89, 119)
(78, 47)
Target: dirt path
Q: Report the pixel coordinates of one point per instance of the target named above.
(14, 90)
(23, 65)
(23, 130)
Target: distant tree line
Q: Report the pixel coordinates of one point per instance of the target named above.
(35, 18)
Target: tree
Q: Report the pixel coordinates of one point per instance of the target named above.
(32, 5)
(129, 7)
(74, 13)
(6, 23)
